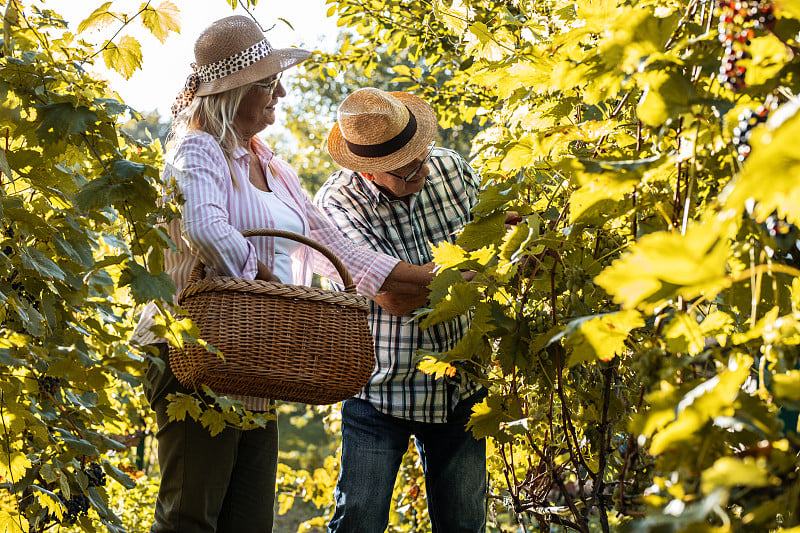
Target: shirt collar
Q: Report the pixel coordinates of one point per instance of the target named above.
(374, 192)
(259, 147)
(262, 150)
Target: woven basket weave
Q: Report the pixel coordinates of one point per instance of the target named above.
(284, 342)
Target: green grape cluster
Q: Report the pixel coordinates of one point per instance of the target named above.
(578, 285)
(583, 377)
(608, 250)
(575, 278)
(540, 317)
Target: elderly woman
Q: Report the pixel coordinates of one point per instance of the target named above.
(231, 181)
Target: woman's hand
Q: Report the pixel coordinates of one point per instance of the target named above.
(266, 274)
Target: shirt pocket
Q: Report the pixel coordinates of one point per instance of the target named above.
(448, 223)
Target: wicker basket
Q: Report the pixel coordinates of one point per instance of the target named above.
(283, 342)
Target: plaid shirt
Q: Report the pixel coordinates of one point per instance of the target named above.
(406, 228)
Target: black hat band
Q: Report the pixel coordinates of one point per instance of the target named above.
(389, 147)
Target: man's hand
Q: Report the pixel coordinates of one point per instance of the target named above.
(512, 218)
(400, 303)
(406, 288)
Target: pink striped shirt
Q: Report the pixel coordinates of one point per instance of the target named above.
(215, 210)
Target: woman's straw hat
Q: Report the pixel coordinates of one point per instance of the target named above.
(233, 52)
(379, 131)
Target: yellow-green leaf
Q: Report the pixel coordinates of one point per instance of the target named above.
(666, 94)
(710, 399)
(13, 522)
(182, 404)
(734, 472)
(768, 57)
(489, 44)
(124, 57)
(99, 18)
(786, 386)
(51, 503)
(683, 335)
(664, 265)
(162, 20)
(769, 175)
(717, 323)
(14, 465)
(455, 16)
(519, 155)
(448, 255)
(517, 240)
(763, 327)
(439, 369)
(602, 187)
(487, 417)
(214, 421)
(603, 337)
(459, 299)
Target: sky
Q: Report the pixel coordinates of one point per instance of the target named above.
(166, 66)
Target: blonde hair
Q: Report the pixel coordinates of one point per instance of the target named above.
(213, 114)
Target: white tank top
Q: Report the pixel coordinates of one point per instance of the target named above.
(287, 220)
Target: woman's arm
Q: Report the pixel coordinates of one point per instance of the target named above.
(204, 179)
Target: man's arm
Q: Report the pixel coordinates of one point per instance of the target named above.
(405, 289)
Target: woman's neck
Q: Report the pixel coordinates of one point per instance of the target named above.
(244, 142)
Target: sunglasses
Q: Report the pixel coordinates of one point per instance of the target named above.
(270, 85)
(413, 173)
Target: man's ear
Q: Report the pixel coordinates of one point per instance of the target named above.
(368, 176)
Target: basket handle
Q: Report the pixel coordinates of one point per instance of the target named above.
(349, 286)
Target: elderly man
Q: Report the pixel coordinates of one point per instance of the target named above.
(398, 193)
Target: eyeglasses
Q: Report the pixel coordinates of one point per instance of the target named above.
(270, 85)
(413, 173)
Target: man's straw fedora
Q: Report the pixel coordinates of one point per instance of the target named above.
(379, 131)
(233, 52)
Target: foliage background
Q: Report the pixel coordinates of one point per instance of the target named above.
(645, 306)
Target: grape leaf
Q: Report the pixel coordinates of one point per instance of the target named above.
(60, 120)
(734, 472)
(162, 20)
(99, 18)
(487, 417)
(603, 337)
(182, 404)
(12, 522)
(124, 57)
(13, 465)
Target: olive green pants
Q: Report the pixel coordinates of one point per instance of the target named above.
(221, 484)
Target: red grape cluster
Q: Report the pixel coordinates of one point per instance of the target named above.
(738, 20)
(97, 477)
(49, 384)
(76, 506)
(748, 120)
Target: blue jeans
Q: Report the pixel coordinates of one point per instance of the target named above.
(373, 445)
